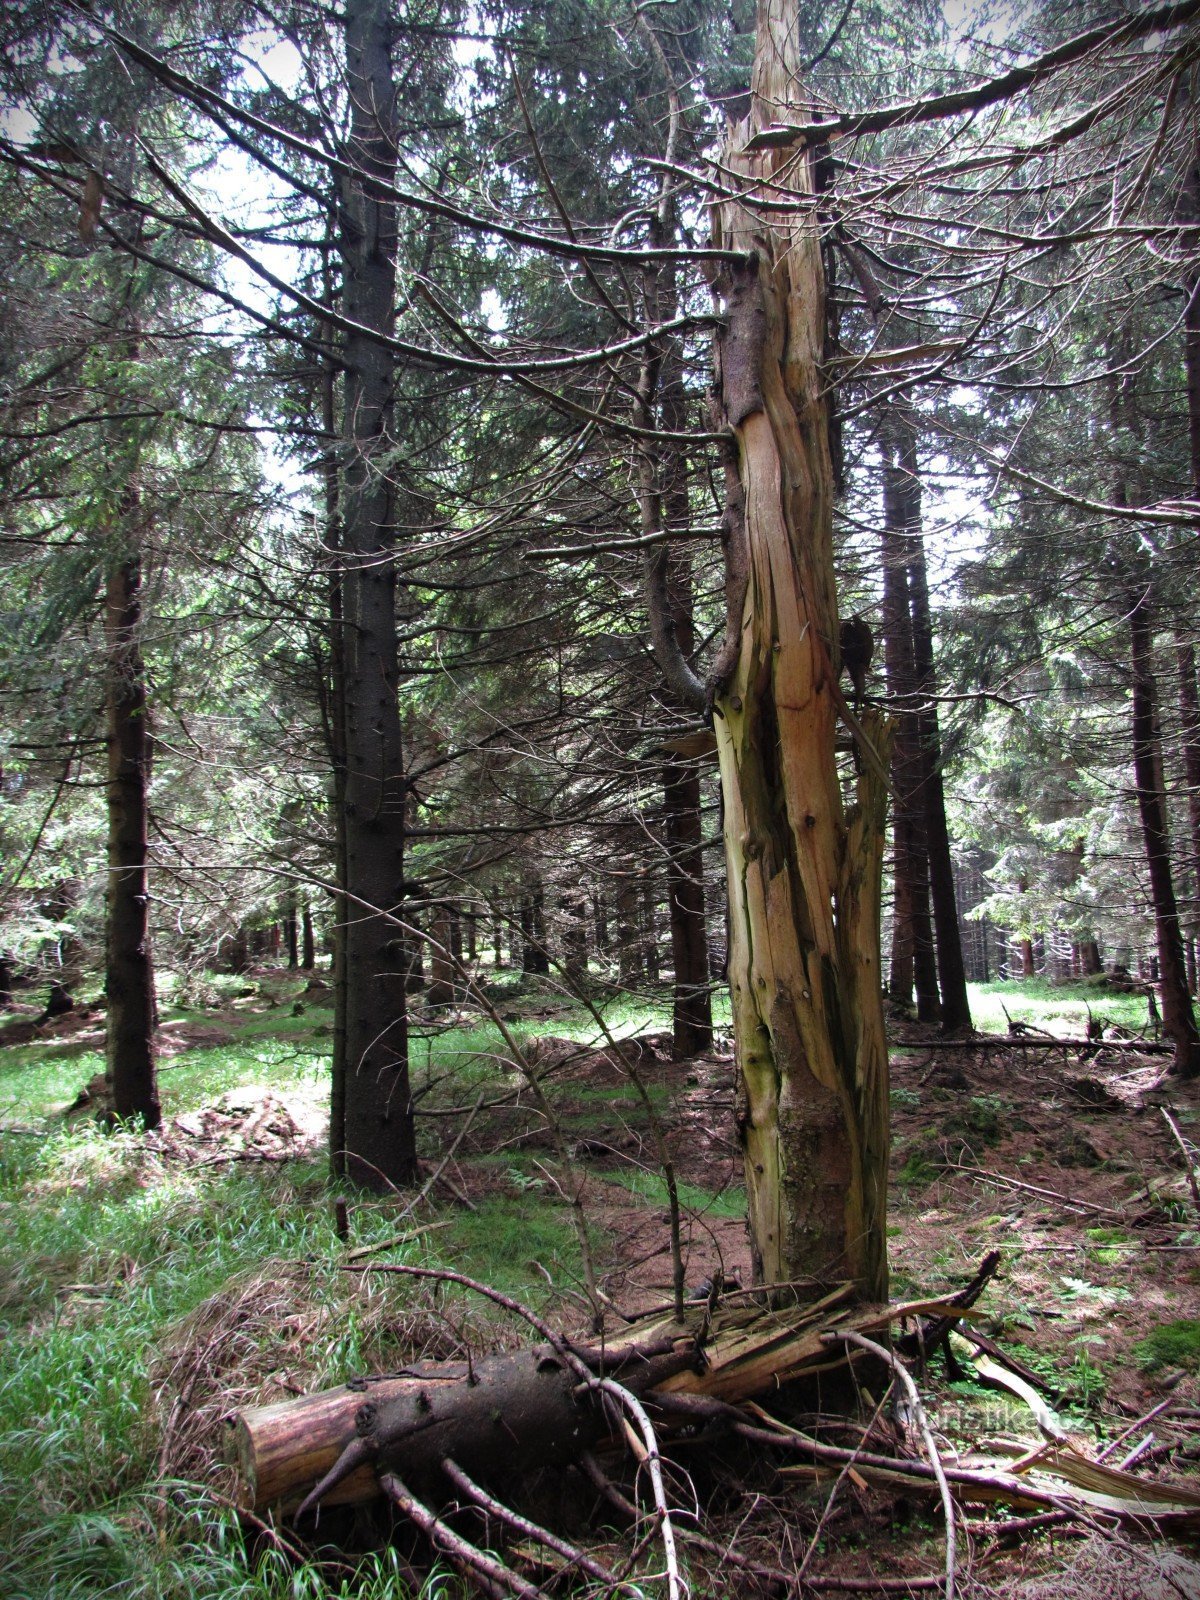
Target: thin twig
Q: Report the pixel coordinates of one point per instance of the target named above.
(1188, 1161)
(532, 1530)
(1033, 1188)
(492, 1576)
(1139, 1422)
(922, 1421)
(394, 1240)
(847, 1469)
(676, 1587)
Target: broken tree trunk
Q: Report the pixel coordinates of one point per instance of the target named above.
(502, 1415)
(804, 873)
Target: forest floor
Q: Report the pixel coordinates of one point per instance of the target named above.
(150, 1285)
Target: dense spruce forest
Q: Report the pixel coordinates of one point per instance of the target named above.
(599, 798)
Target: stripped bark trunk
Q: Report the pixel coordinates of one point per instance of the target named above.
(803, 874)
(377, 1130)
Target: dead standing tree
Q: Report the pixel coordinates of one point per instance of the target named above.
(804, 873)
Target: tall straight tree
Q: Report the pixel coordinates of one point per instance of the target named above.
(372, 1128)
(128, 964)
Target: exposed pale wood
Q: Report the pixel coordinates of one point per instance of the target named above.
(803, 874)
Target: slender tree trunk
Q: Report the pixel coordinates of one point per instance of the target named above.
(336, 734)
(952, 977)
(664, 502)
(803, 875)
(691, 1017)
(378, 1129)
(649, 941)
(691, 1012)
(535, 957)
(308, 946)
(291, 932)
(1179, 1021)
(900, 965)
(575, 937)
(441, 958)
(1189, 716)
(600, 915)
(413, 942)
(914, 960)
(629, 947)
(129, 970)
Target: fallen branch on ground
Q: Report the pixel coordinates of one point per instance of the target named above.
(432, 1436)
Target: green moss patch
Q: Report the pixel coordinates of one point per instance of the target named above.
(1171, 1344)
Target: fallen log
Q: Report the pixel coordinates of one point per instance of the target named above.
(504, 1414)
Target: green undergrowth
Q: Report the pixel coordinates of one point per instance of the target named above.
(104, 1251)
(114, 1257)
(1056, 1008)
(652, 1187)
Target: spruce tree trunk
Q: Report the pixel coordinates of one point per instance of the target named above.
(649, 941)
(629, 945)
(804, 874)
(441, 964)
(691, 1011)
(291, 932)
(600, 914)
(575, 937)
(691, 1017)
(336, 736)
(535, 958)
(308, 947)
(952, 976)
(377, 1114)
(914, 961)
(1189, 716)
(930, 795)
(1179, 1021)
(129, 970)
